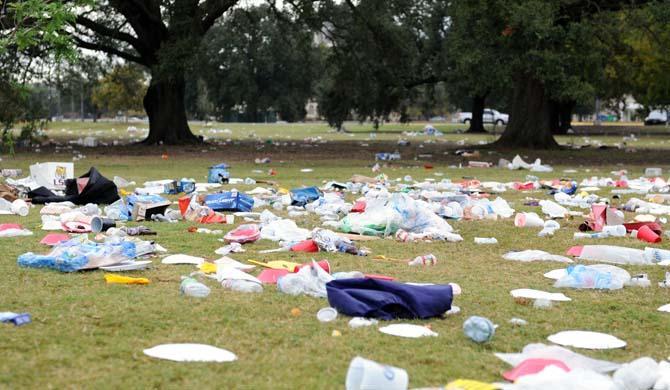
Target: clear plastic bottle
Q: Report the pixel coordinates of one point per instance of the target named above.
(191, 287)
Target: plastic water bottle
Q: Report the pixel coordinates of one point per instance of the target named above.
(191, 287)
(579, 235)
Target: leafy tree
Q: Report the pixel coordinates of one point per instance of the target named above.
(650, 42)
(121, 90)
(258, 60)
(379, 52)
(476, 60)
(161, 35)
(557, 56)
(28, 41)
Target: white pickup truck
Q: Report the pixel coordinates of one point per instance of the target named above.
(490, 116)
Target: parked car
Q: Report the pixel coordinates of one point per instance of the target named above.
(490, 116)
(656, 117)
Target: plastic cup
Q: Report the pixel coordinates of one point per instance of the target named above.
(324, 264)
(366, 374)
(327, 314)
(99, 224)
(477, 212)
(646, 234)
(528, 220)
(305, 246)
(20, 207)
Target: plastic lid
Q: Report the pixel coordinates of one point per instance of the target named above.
(326, 314)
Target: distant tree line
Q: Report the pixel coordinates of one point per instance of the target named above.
(542, 60)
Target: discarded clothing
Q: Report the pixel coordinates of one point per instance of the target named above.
(371, 298)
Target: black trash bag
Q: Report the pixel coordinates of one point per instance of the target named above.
(98, 190)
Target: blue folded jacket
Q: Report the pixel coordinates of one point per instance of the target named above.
(374, 298)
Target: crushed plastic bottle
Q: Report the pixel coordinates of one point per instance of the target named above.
(483, 240)
(245, 286)
(191, 287)
(428, 259)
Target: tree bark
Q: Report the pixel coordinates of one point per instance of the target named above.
(554, 116)
(529, 125)
(164, 104)
(477, 120)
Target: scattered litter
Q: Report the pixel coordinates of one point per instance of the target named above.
(538, 294)
(326, 314)
(190, 353)
(116, 279)
(535, 255)
(366, 374)
(182, 259)
(17, 319)
(407, 330)
(518, 322)
(360, 322)
(586, 340)
(479, 329)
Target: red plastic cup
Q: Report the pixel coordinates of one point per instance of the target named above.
(324, 264)
(184, 201)
(359, 207)
(305, 246)
(646, 234)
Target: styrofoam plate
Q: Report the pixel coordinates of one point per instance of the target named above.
(586, 339)
(190, 353)
(182, 259)
(408, 330)
(538, 294)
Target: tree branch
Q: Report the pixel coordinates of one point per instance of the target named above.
(109, 50)
(213, 9)
(110, 33)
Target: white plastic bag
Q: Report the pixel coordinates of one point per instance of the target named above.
(534, 255)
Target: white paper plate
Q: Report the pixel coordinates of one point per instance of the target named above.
(130, 266)
(408, 330)
(226, 261)
(665, 308)
(190, 353)
(556, 274)
(538, 294)
(586, 340)
(182, 259)
(228, 273)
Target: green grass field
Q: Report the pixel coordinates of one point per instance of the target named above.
(86, 334)
(110, 132)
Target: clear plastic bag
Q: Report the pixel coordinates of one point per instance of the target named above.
(309, 281)
(580, 276)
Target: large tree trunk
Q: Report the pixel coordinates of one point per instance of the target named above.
(477, 121)
(164, 104)
(529, 125)
(554, 117)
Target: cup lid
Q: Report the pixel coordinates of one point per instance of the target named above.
(326, 314)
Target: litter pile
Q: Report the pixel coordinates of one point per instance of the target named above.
(97, 223)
